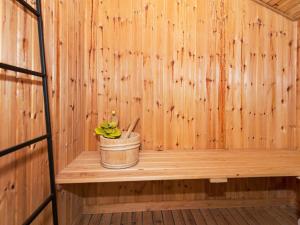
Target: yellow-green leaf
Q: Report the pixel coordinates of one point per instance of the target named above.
(99, 131)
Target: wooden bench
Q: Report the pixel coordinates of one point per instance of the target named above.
(217, 165)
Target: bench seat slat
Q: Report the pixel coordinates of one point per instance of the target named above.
(175, 165)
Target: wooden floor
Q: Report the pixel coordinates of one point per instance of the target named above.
(176, 165)
(283, 215)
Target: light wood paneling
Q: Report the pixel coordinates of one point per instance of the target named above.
(63, 36)
(24, 176)
(298, 91)
(296, 184)
(287, 8)
(199, 74)
(23, 185)
(229, 81)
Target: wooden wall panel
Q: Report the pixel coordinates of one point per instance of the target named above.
(200, 74)
(218, 74)
(24, 176)
(297, 183)
(65, 74)
(21, 119)
(111, 196)
(298, 91)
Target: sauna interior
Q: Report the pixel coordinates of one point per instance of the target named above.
(214, 83)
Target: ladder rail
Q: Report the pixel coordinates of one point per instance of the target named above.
(47, 112)
(48, 136)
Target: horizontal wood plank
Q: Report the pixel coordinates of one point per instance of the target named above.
(173, 165)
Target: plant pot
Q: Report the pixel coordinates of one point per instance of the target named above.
(120, 153)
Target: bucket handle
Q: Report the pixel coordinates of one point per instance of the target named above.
(131, 127)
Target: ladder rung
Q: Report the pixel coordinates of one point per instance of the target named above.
(38, 210)
(29, 7)
(20, 70)
(22, 145)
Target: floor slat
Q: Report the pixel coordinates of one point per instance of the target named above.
(218, 217)
(188, 217)
(116, 219)
(208, 217)
(228, 217)
(263, 212)
(178, 218)
(84, 220)
(198, 217)
(237, 216)
(247, 217)
(147, 218)
(289, 212)
(106, 218)
(137, 218)
(157, 218)
(95, 219)
(168, 217)
(281, 219)
(126, 218)
(283, 215)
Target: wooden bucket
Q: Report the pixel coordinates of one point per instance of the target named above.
(120, 153)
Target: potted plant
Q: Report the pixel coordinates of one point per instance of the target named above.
(118, 150)
(109, 130)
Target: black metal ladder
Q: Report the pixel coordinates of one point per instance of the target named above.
(52, 197)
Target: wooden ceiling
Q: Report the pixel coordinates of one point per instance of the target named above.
(287, 8)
